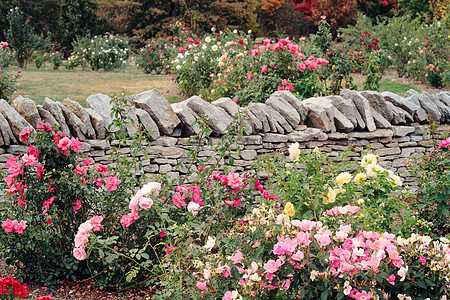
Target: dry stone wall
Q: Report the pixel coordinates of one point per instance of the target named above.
(386, 124)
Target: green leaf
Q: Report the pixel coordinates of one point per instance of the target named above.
(324, 295)
(234, 273)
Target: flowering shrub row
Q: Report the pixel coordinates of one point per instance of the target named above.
(106, 52)
(229, 64)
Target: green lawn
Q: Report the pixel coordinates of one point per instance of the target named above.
(77, 85)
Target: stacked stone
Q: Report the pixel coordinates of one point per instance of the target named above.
(385, 123)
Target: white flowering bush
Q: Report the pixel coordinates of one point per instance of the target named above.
(108, 52)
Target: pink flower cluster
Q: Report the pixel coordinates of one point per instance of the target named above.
(140, 201)
(342, 210)
(82, 236)
(193, 193)
(445, 143)
(14, 225)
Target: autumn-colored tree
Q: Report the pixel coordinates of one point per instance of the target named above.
(377, 8)
(117, 14)
(278, 18)
(337, 12)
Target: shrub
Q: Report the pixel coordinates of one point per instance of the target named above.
(228, 64)
(106, 52)
(432, 173)
(5, 55)
(55, 59)
(51, 189)
(157, 54)
(7, 83)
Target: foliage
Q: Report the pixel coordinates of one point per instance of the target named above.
(108, 52)
(51, 188)
(77, 20)
(227, 64)
(337, 73)
(55, 59)
(156, 56)
(432, 173)
(376, 9)
(338, 12)
(7, 80)
(21, 37)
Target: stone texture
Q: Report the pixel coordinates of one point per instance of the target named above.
(402, 130)
(272, 121)
(443, 109)
(97, 122)
(377, 102)
(218, 120)
(248, 154)
(348, 109)
(102, 105)
(419, 113)
(257, 125)
(53, 108)
(148, 123)
(295, 103)
(46, 116)
(379, 120)
(430, 107)
(378, 133)
(159, 109)
(318, 118)
(187, 117)
(275, 138)
(232, 109)
(27, 109)
(76, 126)
(8, 137)
(16, 122)
(285, 109)
(81, 113)
(309, 134)
(363, 107)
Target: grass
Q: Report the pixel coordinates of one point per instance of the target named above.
(386, 85)
(37, 84)
(77, 85)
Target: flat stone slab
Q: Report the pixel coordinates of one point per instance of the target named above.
(159, 109)
(102, 105)
(27, 109)
(53, 108)
(309, 134)
(16, 122)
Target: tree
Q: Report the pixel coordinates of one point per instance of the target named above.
(78, 19)
(117, 14)
(20, 36)
(338, 12)
(377, 8)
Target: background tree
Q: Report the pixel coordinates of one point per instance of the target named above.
(20, 36)
(377, 8)
(338, 12)
(78, 19)
(117, 14)
(279, 18)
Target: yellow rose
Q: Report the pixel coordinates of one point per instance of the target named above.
(331, 196)
(360, 177)
(373, 168)
(289, 209)
(343, 178)
(361, 201)
(368, 159)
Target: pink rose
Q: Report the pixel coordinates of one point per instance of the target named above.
(201, 286)
(145, 203)
(79, 254)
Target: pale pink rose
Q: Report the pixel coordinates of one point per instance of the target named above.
(298, 255)
(85, 227)
(272, 266)
(79, 254)
(29, 160)
(20, 227)
(323, 240)
(178, 199)
(234, 181)
(236, 258)
(129, 219)
(81, 240)
(145, 203)
(96, 220)
(112, 182)
(150, 188)
(201, 286)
